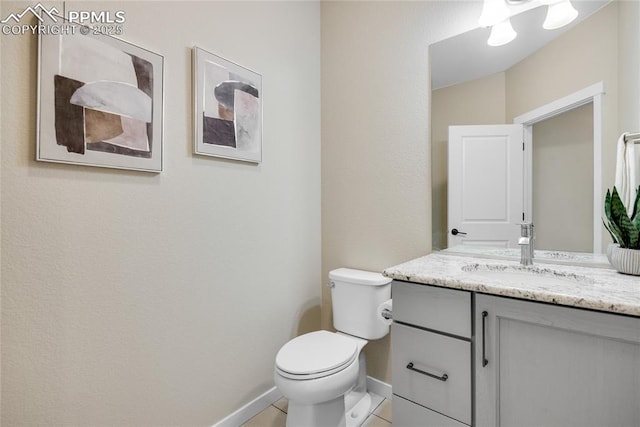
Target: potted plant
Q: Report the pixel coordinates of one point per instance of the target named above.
(624, 252)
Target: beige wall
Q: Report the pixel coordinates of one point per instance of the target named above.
(629, 71)
(376, 201)
(584, 55)
(562, 181)
(629, 67)
(140, 299)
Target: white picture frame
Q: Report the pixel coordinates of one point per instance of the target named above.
(100, 101)
(227, 108)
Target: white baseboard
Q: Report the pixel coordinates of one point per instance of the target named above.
(378, 387)
(251, 409)
(272, 395)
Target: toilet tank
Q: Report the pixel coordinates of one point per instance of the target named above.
(355, 296)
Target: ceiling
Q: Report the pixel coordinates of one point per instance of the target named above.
(468, 56)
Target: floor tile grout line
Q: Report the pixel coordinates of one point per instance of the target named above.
(371, 416)
(379, 405)
(382, 418)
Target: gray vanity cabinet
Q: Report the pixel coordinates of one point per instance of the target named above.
(546, 365)
(464, 358)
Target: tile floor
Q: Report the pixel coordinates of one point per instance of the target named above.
(276, 414)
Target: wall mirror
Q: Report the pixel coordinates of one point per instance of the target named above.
(475, 84)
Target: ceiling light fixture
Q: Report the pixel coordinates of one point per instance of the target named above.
(496, 14)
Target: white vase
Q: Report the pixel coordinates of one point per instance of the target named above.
(624, 260)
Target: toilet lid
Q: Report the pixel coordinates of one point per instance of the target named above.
(316, 352)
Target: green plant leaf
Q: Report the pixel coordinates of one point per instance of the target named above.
(613, 237)
(629, 233)
(612, 228)
(607, 205)
(635, 216)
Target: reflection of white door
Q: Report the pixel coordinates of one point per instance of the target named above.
(485, 185)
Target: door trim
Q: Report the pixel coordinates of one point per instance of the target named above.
(591, 94)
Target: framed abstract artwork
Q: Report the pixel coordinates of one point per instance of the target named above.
(100, 102)
(228, 108)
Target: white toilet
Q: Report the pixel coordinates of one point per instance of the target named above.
(323, 374)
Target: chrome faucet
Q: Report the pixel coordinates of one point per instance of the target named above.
(526, 243)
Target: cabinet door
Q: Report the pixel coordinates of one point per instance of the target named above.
(545, 365)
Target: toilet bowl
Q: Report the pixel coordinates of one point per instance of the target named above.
(315, 371)
(322, 373)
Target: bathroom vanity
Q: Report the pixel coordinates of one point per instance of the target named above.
(487, 342)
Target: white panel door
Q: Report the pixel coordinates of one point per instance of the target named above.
(485, 185)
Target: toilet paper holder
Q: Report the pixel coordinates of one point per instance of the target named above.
(385, 312)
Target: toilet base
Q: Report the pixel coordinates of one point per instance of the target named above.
(325, 414)
(358, 401)
(332, 413)
(356, 416)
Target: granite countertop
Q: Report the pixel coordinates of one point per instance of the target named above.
(541, 255)
(601, 289)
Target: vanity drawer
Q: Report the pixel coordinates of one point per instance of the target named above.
(428, 352)
(408, 414)
(440, 309)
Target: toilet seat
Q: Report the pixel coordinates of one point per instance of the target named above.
(315, 355)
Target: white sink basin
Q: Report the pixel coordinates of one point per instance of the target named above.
(521, 274)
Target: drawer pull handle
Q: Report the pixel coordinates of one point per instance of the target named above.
(485, 362)
(444, 377)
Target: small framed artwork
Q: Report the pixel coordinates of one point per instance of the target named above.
(228, 108)
(100, 101)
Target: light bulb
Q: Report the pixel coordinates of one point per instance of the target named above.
(501, 33)
(493, 11)
(559, 15)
